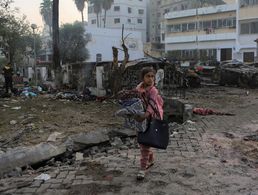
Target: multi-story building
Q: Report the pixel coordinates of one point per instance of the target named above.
(221, 32)
(131, 13)
(157, 11)
(248, 30)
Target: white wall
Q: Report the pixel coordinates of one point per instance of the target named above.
(103, 39)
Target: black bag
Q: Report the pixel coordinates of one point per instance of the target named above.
(156, 134)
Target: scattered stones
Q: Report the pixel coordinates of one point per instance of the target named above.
(78, 156)
(54, 136)
(251, 138)
(117, 142)
(43, 177)
(229, 135)
(188, 173)
(13, 122)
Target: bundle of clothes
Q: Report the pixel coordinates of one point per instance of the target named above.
(131, 106)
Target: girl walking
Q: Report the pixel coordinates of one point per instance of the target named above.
(151, 99)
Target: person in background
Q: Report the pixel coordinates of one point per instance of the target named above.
(159, 78)
(148, 92)
(8, 76)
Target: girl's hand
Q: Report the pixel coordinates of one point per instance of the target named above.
(140, 118)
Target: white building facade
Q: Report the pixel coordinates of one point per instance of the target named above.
(131, 13)
(103, 39)
(223, 32)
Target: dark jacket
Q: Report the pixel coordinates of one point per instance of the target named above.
(7, 72)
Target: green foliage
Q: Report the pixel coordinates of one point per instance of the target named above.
(98, 5)
(14, 33)
(73, 41)
(5, 4)
(80, 4)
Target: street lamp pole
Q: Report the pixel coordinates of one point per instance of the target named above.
(34, 26)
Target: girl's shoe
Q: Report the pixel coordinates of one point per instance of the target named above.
(141, 175)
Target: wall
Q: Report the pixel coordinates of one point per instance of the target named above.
(102, 40)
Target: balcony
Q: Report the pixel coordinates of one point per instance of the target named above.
(201, 38)
(201, 11)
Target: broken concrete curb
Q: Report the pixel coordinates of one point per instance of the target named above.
(22, 156)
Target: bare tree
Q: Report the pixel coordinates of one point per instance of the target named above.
(118, 71)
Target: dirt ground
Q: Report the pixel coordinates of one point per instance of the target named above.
(31, 121)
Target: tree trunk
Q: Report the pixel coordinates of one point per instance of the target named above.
(97, 19)
(105, 17)
(82, 17)
(117, 72)
(56, 54)
(50, 30)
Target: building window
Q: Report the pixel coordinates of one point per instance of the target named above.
(93, 21)
(90, 9)
(129, 20)
(248, 56)
(184, 27)
(163, 36)
(206, 24)
(249, 28)
(166, 11)
(220, 23)
(116, 8)
(98, 57)
(139, 21)
(117, 20)
(129, 10)
(245, 3)
(244, 29)
(141, 11)
(191, 26)
(177, 28)
(214, 23)
(254, 27)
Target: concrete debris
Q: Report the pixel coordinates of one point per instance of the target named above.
(54, 136)
(43, 176)
(13, 122)
(78, 156)
(22, 156)
(122, 133)
(190, 122)
(91, 138)
(16, 108)
(117, 142)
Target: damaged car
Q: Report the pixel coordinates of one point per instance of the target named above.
(236, 73)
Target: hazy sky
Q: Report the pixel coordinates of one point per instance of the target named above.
(67, 11)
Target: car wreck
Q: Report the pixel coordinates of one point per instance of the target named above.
(237, 74)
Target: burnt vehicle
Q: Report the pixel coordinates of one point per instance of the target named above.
(236, 73)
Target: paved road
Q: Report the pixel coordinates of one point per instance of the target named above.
(206, 156)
